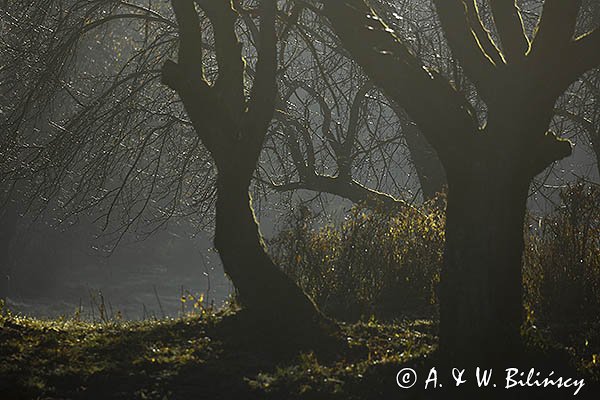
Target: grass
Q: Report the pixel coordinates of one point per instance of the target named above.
(204, 356)
(67, 358)
(196, 356)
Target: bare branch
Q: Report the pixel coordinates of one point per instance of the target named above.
(548, 149)
(304, 167)
(392, 66)
(509, 23)
(555, 29)
(230, 81)
(464, 42)
(482, 33)
(344, 155)
(347, 189)
(264, 89)
(190, 36)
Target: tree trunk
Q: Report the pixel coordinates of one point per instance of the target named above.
(8, 225)
(595, 139)
(481, 282)
(427, 164)
(263, 288)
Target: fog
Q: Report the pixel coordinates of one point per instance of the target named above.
(55, 270)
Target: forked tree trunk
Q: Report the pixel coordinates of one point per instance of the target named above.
(488, 167)
(481, 290)
(263, 288)
(233, 131)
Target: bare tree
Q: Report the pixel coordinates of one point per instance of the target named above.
(308, 143)
(376, 133)
(233, 126)
(489, 165)
(91, 128)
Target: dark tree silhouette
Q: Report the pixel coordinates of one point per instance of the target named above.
(9, 217)
(233, 130)
(489, 165)
(90, 128)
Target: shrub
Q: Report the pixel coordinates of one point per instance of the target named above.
(562, 259)
(387, 265)
(374, 263)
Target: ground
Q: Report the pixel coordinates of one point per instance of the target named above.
(209, 356)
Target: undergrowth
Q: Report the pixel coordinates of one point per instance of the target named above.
(377, 271)
(196, 356)
(387, 265)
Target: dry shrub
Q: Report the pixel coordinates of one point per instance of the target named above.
(373, 264)
(562, 260)
(387, 265)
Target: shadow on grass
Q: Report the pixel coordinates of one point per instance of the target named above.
(228, 355)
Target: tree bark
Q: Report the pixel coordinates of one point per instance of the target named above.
(233, 130)
(480, 286)
(261, 285)
(8, 225)
(594, 134)
(428, 167)
(488, 167)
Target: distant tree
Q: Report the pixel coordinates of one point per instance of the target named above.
(344, 146)
(342, 135)
(489, 164)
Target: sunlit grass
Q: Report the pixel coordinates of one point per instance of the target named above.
(68, 357)
(43, 356)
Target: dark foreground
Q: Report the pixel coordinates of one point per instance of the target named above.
(213, 356)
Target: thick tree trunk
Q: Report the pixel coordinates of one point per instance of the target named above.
(481, 284)
(263, 288)
(425, 160)
(8, 225)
